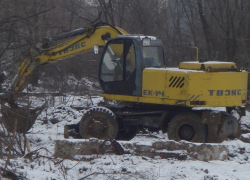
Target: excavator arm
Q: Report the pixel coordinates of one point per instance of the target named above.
(77, 42)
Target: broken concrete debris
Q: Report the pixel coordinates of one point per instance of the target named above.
(183, 150)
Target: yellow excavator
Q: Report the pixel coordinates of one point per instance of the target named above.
(133, 69)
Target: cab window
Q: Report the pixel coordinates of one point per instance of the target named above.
(130, 59)
(118, 61)
(153, 56)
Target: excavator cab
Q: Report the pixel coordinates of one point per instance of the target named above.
(123, 61)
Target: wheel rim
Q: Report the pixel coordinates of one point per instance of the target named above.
(97, 128)
(186, 132)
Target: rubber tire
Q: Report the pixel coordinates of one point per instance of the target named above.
(103, 116)
(191, 119)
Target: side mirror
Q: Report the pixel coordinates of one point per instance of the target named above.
(96, 49)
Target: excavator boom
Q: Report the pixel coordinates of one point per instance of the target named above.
(77, 42)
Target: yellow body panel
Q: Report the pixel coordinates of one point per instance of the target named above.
(218, 88)
(142, 99)
(196, 65)
(156, 83)
(173, 86)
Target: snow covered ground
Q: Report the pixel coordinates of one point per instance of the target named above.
(39, 162)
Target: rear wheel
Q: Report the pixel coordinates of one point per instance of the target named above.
(98, 122)
(187, 126)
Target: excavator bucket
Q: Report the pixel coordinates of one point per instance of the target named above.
(24, 116)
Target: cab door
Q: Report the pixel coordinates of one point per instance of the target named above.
(118, 67)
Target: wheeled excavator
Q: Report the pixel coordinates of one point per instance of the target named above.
(133, 69)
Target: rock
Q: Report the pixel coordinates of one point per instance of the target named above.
(245, 138)
(207, 152)
(206, 171)
(211, 177)
(54, 121)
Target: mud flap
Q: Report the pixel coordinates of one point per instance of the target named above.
(231, 127)
(221, 125)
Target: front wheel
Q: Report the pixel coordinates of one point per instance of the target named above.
(98, 122)
(187, 126)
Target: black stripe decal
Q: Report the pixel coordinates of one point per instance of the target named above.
(177, 81)
(172, 82)
(180, 82)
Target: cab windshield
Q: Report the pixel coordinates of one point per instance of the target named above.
(153, 56)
